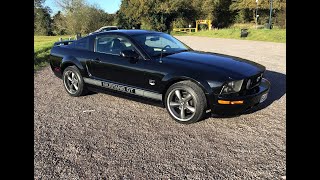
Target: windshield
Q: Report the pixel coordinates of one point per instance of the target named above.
(160, 43)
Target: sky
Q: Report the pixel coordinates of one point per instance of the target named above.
(109, 6)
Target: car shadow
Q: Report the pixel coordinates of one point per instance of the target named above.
(277, 90)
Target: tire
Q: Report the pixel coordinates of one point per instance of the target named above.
(73, 82)
(191, 99)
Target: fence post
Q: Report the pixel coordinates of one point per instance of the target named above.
(78, 36)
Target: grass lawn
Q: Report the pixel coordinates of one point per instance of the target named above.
(273, 35)
(42, 46)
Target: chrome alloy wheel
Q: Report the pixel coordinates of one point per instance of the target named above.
(71, 82)
(181, 104)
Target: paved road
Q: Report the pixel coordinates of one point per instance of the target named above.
(124, 139)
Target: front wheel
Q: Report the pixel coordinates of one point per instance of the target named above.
(185, 102)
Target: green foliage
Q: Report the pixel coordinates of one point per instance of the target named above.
(59, 24)
(146, 25)
(122, 21)
(280, 18)
(262, 4)
(42, 20)
(162, 15)
(155, 14)
(222, 15)
(243, 8)
(243, 16)
(42, 46)
(180, 22)
(274, 35)
(78, 16)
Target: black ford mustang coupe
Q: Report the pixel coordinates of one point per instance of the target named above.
(157, 66)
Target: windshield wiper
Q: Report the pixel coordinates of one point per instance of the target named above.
(184, 50)
(163, 54)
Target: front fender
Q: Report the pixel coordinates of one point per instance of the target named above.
(169, 79)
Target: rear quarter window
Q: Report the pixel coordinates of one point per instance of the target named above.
(82, 44)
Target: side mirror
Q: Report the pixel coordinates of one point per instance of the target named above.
(130, 54)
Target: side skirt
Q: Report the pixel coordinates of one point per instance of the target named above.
(124, 88)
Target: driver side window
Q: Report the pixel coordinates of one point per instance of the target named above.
(109, 44)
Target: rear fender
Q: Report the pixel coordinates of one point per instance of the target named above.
(70, 61)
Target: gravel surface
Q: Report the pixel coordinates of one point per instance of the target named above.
(100, 136)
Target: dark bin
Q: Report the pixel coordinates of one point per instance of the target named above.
(244, 33)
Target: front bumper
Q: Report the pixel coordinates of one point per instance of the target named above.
(249, 101)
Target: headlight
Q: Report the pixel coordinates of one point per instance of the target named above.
(231, 87)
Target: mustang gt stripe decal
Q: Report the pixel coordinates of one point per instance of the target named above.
(118, 87)
(123, 88)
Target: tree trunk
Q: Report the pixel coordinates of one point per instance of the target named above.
(254, 15)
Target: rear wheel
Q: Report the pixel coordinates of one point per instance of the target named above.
(185, 102)
(73, 81)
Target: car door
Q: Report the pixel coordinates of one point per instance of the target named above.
(155, 70)
(108, 65)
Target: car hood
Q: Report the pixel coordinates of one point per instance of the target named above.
(233, 67)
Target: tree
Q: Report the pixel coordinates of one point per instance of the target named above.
(59, 26)
(81, 17)
(218, 11)
(38, 3)
(42, 19)
(96, 18)
(243, 6)
(262, 4)
(162, 15)
(155, 14)
(77, 16)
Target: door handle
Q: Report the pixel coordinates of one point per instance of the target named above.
(97, 60)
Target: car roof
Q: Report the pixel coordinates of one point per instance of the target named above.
(130, 32)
